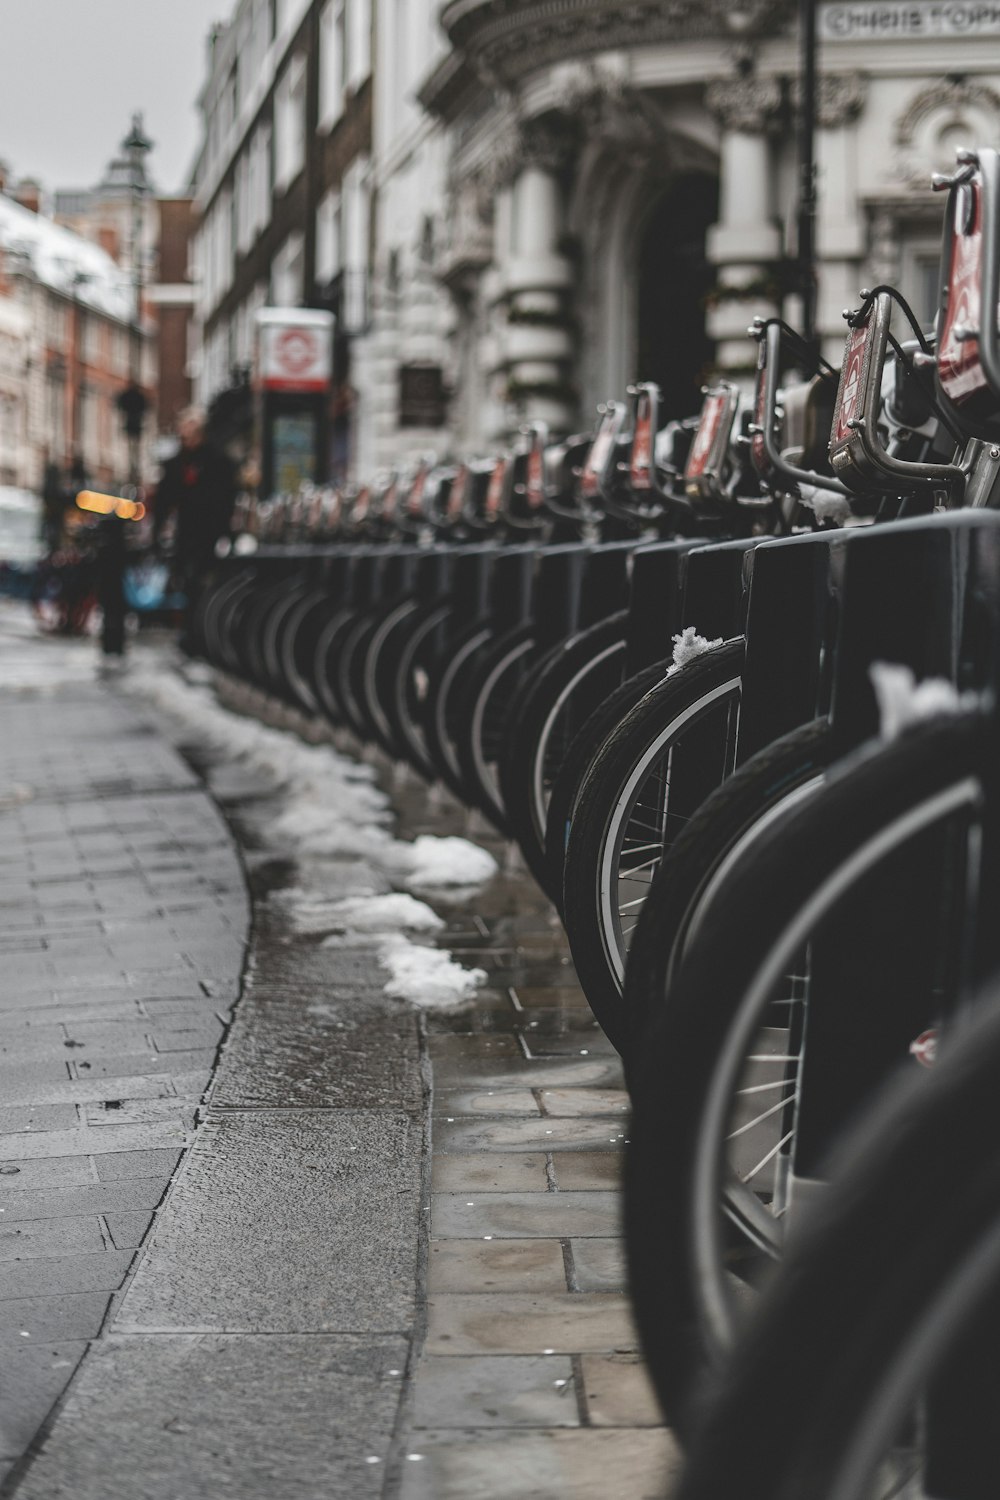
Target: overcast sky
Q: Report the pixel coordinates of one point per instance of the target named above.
(74, 72)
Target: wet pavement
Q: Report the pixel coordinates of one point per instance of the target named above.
(123, 920)
(390, 1263)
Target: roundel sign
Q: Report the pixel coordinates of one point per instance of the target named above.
(295, 351)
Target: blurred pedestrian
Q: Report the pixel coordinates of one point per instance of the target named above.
(55, 498)
(198, 486)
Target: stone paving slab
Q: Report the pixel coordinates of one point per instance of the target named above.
(283, 1223)
(586, 1464)
(528, 1323)
(295, 1417)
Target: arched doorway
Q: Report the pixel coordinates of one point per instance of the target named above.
(674, 278)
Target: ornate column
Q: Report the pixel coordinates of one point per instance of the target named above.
(535, 339)
(746, 243)
(840, 237)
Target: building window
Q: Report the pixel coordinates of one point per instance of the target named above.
(332, 62)
(287, 273)
(359, 39)
(329, 239)
(290, 123)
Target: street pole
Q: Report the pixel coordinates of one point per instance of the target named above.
(807, 174)
(137, 148)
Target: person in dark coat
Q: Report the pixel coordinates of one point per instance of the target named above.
(199, 487)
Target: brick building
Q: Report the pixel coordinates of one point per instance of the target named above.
(282, 196)
(65, 330)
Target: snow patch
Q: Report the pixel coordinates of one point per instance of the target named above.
(826, 505)
(903, 701)
(380, 914)
(333, 811)
(689, 645)
(431, 862)
(428, 978)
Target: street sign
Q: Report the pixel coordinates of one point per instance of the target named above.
(294, 349)
(909, 20)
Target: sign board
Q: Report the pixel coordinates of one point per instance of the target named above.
(294, 439)
(907, 20)
(294, 350)
(422, 401)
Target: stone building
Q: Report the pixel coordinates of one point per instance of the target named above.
(65, 330)
(109, 215)
(282, 195)
(622, 183)
(567, 195)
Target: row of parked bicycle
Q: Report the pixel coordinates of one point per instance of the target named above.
(677, 664)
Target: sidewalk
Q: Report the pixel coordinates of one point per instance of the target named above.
(123, 922)
(354, 1286)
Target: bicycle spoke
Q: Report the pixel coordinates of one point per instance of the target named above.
(742, 1130)
(769, 1157)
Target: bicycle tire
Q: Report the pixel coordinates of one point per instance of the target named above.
(611, 826)
(811, 1391)
(570, 681)
(767, 785)
(582, 750)
(678, 1084)
(483, 695)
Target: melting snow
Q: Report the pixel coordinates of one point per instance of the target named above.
(826, 505)
(689, 645)
(427, 977)
(903, 701)
(332, 810)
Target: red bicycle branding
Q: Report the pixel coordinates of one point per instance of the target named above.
(535, 479)
(495, 492)
(959, 368)
(712, 411)
(597, 459)
(850, 382)
(924, 1049)
(415, 499)
(641, 463)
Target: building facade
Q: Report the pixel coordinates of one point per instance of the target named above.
(66, 331)
(568, 195)
(126, 217)
(282, 196)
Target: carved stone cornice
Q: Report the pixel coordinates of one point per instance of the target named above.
(954, 95)
(506, 39)
(840, 98)
(749, 105)
(951, 112)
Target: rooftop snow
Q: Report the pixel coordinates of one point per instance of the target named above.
(64, 261)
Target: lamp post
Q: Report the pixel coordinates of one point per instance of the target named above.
(132, 401)
(806, 242)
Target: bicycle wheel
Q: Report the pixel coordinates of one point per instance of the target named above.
(380, 663)
(441, 717)
(674, 748)
(762, 790)
(405, 701)
(864, 1375)
(582, 749)
(297, 647)
(559, 696)
(776, 1027)
(483, 697)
